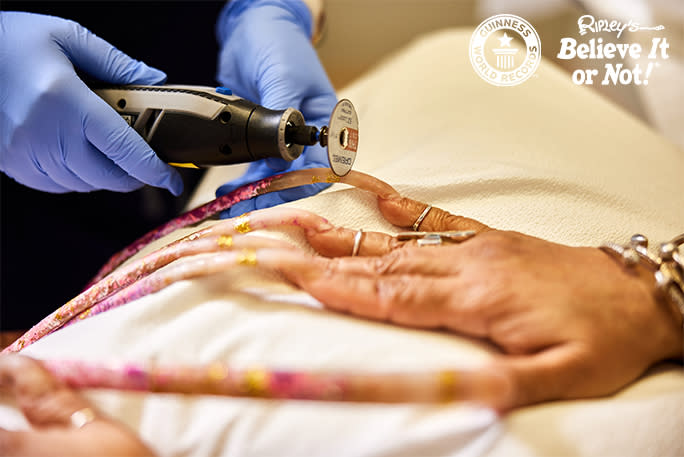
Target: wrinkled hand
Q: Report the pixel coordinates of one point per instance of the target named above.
(570, 322)
(56, 135)
(48, 406)
(267, 57)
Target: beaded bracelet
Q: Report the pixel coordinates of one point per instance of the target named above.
(667, 266)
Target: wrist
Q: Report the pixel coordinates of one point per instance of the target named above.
(300, 12)
(664, 276)
(670, 338)
(676, 349)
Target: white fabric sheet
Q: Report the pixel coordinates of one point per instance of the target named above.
(546, 158)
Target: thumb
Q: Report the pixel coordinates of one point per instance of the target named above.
(560, 372)
(404, 212)
(103, 61)
(276, 92)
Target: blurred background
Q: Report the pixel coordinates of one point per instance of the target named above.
(362, 32)
(52, 244)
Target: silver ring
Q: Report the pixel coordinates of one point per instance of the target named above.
(82, 417)
(454, 236)
(357, 242)
(431, 239)
(416, 225)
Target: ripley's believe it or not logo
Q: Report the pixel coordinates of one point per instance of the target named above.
(505, 50)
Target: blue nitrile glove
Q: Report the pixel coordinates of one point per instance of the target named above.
(267, 57)
(56, 135)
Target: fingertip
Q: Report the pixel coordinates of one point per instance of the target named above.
(155, 76)
(225, 189)
(175, 184)
(145, 74)
(159, 174)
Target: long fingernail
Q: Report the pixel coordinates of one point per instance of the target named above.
(391, 196)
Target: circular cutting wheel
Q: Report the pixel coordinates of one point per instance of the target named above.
(343, 137)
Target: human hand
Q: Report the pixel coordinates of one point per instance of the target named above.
(267, 57)
(56, 135)
(48, 405)
(570, 321)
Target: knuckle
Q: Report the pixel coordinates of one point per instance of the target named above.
(67, 26)
(444, 220)
(486, 293)
(61, 29)
(495, 245)
(513, 334)
(332, 267)
(390, 263)
(69, 32)
(393, 294)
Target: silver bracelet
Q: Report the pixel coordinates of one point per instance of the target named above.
(667, 266)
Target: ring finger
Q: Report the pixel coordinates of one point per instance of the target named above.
(339, 241)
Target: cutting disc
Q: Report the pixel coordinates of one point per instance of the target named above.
(343, 137)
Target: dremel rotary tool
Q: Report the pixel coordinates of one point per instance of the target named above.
(195, 126)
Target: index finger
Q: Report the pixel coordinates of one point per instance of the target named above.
(110, 134)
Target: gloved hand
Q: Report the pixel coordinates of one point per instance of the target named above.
(267, 57)
(56, 135)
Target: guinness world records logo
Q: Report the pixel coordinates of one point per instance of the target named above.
(505, 50)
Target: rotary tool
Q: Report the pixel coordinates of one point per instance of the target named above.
(198, 126)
